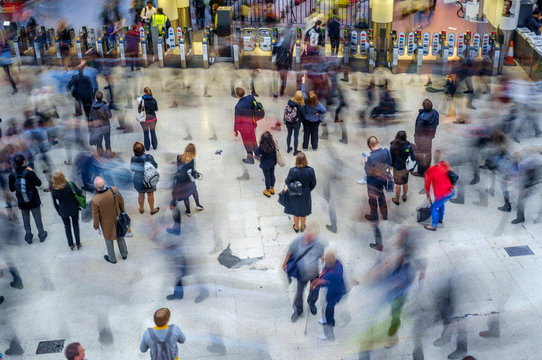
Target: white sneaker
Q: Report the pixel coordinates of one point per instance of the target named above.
(322, 321)
(199, 207)
(322, 337)
(362, 181)
(129, 235)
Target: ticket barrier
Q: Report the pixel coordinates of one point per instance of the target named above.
(144, 45)
(494, 53)
(361, 50)
(346, 54)
(206, 48)
(322, 50)
(222, 46)
(237, 48)
(298, 49)
(394, 52)
(184, 40)
(274, 41)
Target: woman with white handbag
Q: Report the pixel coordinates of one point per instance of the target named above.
(146, 115)
(401, 154)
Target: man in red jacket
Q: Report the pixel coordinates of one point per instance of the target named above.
(443, 190)
(245, 123)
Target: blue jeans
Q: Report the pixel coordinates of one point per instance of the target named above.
(437, 209)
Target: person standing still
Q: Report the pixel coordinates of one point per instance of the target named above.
(149, 125)
(162, 338)
(294, 115)
(376, 166)
(245, 123)
(137, 165)
(99, 125)
(268, 160)
(75, 351)
(106, 204)
(66, 205)
(443, 190)
(425, 130)
(300, 205)
(24, 182)
(307, 249)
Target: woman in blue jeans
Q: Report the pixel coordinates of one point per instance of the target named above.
(149, 125)
(438, 176)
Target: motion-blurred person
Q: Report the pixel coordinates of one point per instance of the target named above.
(99, 126)
(132, 47)
(245, 124)
(386, 105)
(66, 205)
(24, 182)
(331, 278)
(400, 150)
(314, 39)
(529, 174)
(294, 115)
(82, 89)
(185, 180)
(107, 204)
(163, 338)
(75, 351)
(149, 104)
(6, 59)
(283, 52)
(268, 160)
(65, 41)
(300, 182)
(440, 178)
(302, 259)
(138, 165)
(376, 167)
(314, 112)
(425, 129)
(334, 33)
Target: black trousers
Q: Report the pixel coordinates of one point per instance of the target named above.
(295, 130)
(311, 299)
(269, 175)
(377, 199)
(310, 132)
(68, 229)
(283, 73)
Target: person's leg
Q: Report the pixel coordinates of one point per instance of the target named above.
(312, 299)
(306, 134)
(107, 137)
(296, 136)
(272, 177)
(314, 135)
(110, 251)
(298, 301)
(290, 130)
(373, 203)
(141, 201)
(68, 230)
(267, 178)
(522, 196)
(296, 222)
(396, 310)
(405, 191)
(382, 203)
(303, 219)
(122, 247)
(195, 195)
(154, 139)
(283, 77)
(8, 73)
(26, 222)
(146, 140)
(245, 136)
(330, 321)
(75, 224)
(36, 214)
(397, 193)
(176, 229)
(150, 200)
(187, 205)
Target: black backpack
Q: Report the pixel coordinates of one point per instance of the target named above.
(161, 349)
(22, 190)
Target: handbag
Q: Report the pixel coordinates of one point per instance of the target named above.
(81, 199)
(142, 115)
(453, 177)
(295, 188)
(282, 197)
(424, 212)
(123, 220)
(280, 158)
(291, 265)
(411, 164)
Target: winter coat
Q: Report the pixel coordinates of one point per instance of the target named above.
(64, 201)
(334, 282)
(32, 182)
(137, 165)
(426, 123)
(376, 166)
(398, 159)
(81, 87)
(267, 159)
(244, 114)
(438, 176)
(151, 107)
(183, 186)
(104, 212)
(300, 205)
(313, 113)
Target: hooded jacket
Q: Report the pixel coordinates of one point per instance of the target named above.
(244, 114)
(100, 111)
(426, 123)
(151, 107)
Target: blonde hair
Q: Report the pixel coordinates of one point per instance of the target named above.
(58, 180)
(329, 258)
(189, 154)
(299, 98)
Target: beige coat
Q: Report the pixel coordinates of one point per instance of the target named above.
(104, 214)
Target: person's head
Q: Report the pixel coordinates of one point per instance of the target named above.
(99, 96)
(19, 160)
(312, 98)
(437, 156)
(138, 148)
(161, 317)
(239, 92)
(99, 183)
(75, 351)
(160, 10)
(400, 136)
(301, 160)
(147, 91)
(267, 143)
(311, 233)
(427, 105)
(58, 180)
(215, 6)
(335, 12)
(537, 14)
(318, 23)
(189, 153)
(507, 6)
(299, 98)
(372, 143)
(329, 258)
(134, 27)
(149, 4)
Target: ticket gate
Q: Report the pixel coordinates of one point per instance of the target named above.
(184, 40)
(206, 44)
(274, 41)
(144, 44)
(322, 50)
(394, 52)
(298, 49)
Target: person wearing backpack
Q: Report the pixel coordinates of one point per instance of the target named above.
(163, 338)
(294, 115)
(99, 127)
(145, 177)
(66, 205)
(24, 182)
(314, 39)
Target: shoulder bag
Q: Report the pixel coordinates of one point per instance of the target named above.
(280, 158)
(142, 115)
(123, 220)
(81, 199)
(291, 265)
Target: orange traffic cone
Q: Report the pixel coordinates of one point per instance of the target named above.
(509, 61)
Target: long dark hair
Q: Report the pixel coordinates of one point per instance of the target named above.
(398, 142)
(267, 143)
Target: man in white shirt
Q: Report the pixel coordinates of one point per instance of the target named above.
(147, 12)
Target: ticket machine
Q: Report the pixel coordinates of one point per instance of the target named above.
(249, 35)
(265, 39)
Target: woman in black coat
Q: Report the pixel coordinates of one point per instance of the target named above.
(400, 150)
(300, 205)
(137, 165)
(66, 205)
(268, 159)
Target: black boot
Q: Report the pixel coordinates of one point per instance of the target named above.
(475, 180)
(506, 207)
